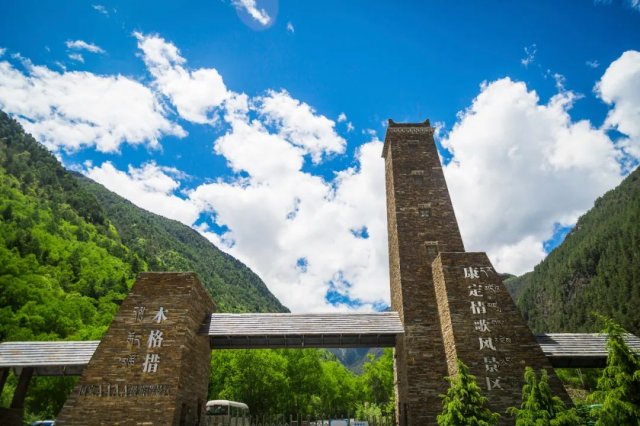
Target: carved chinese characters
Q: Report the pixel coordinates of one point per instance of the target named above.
(151, 367)
(481, 326)
(484, 311)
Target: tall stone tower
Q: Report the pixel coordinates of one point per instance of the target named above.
(421, 223)
(452, 303)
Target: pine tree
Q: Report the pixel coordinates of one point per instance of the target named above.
(539, 406)
(464, 403)
(619, 386)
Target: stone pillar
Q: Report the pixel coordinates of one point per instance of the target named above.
(152, 365)
(421, 223)
(482, 326)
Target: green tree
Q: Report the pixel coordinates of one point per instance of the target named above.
(377, 381)
(255, 377)
(464, 403)
(619, 386)
(539, 406)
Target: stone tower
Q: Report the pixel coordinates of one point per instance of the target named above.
(421, 223)
(452, 303)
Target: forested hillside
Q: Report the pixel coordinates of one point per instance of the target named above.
(596, 269)
(166, 245)
(70, 249)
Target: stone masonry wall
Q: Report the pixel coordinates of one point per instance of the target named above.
(482, 326)
(152, 366)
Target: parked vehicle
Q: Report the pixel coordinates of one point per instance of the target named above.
(227, 413)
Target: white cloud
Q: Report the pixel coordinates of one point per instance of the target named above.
(150, 187)
(100, 8)
(530, 55)
(298, 123)
(519, 167)
(290, 27)
(280, 215)
(342, 118)
(76, 57)
(71, 110)
(195, 94)
(2, 51)
(620, 87)
(83, 45)
(592, 63)
(250, 6)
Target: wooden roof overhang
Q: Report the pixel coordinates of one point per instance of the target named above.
(336, 330)
(579, 350)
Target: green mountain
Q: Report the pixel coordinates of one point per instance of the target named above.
(70, 250)
(168, 245)
(596, 269)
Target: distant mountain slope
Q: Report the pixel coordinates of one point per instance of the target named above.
(70, 249)
(166, 245)
(596, 269)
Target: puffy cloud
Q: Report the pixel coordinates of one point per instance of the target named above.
(620, 87)
(195, 94)
(298, 123)
(519, 167)
(280, 218)
(250, 6)
(76, 57)
(150, 187)
(290, 27)
(83, 45)
(72, 110)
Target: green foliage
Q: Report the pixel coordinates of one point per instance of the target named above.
(619, 386)
(539, 406)
(596, 269)
(377, 381)
(284, 382)
(579, 383)
(464, 403)
(368, 411)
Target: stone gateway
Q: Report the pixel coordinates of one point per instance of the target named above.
(152, 365)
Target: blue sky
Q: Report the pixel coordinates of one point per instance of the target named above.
(259, 122)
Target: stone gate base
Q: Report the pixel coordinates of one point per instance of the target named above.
(481, 325)
(152, 366)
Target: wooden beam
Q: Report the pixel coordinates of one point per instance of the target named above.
(3, 378)
(21, 390)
